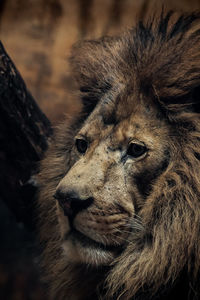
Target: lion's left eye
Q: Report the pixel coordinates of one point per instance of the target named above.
(81, 145)
(136, 150)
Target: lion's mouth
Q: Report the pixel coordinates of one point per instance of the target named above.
(86, 241)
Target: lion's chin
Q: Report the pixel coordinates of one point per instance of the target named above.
(83, 250)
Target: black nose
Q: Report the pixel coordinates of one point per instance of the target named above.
(71, 203)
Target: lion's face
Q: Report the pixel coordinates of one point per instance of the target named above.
(103, 192)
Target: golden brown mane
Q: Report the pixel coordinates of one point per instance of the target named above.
(162, 61)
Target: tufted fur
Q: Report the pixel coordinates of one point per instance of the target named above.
(158, 62)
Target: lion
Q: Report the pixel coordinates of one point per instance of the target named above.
(119, 192)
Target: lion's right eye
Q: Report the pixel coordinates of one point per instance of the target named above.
(81, 145)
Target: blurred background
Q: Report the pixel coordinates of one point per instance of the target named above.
(38, 34)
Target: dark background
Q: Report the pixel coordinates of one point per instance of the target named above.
(38, 35)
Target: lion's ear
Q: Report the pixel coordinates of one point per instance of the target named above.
(91, 65)
(180, 89)
(176, 73)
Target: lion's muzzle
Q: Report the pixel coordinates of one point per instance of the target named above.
(71, 202)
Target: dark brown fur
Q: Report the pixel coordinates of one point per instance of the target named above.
(160, 62)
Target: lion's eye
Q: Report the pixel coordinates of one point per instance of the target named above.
(81, 145)
(136, 150)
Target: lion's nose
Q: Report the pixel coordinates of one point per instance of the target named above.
(71, 202)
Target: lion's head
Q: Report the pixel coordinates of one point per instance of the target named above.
(120, 184)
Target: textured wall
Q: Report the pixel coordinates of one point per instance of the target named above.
(38, 35)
